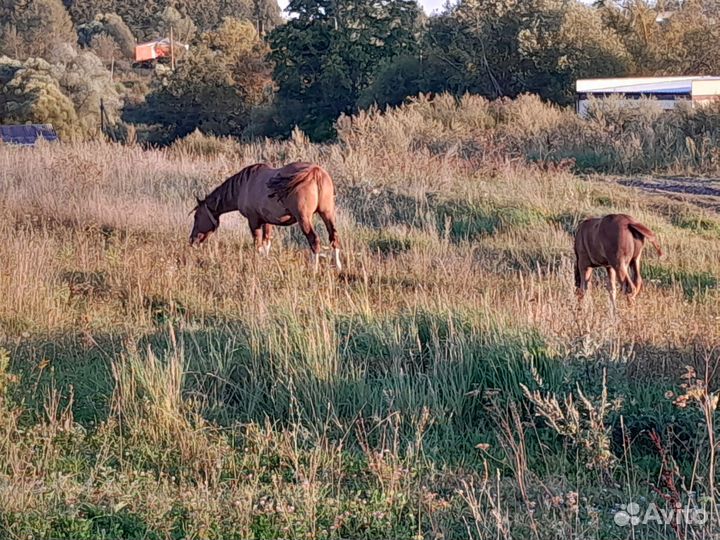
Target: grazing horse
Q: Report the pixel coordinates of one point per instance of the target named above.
(269, 197)
(615, 242)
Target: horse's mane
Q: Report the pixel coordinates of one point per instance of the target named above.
(226, 191)
(285, 182)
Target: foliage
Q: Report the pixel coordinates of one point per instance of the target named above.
(143, 16)
(37, 28)
(183, 28)
(32, 94)
(684, 43)
(111, 25)
(327, 53)
(86, 82)
(401, 77)
(66, 94)
(505, 48)
(215, 86)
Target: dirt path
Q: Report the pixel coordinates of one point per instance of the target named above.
(703, 192)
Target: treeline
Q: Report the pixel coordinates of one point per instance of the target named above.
(250, 73)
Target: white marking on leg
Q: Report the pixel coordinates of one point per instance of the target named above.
(267, 247)
(338, 264)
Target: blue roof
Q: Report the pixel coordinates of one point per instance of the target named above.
(27, 134)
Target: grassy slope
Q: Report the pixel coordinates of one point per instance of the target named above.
(155, 391)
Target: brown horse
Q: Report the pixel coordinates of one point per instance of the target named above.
(616, 242)
(269, 197)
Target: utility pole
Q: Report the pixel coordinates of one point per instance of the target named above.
(102, 117)
(172, 50)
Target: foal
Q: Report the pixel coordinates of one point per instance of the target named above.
(616, 242)
(269, 197)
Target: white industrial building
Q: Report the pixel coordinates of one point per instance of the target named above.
(668, 91)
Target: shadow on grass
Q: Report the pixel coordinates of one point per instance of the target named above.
(372, 368)
(436, 373)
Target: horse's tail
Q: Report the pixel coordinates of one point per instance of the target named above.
(282, 186)
(646, 233)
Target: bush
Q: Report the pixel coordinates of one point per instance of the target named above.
(197, 144)
(615, 137)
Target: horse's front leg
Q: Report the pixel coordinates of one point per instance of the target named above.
(267, 238)
(256, 229)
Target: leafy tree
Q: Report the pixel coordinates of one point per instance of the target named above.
(401, 77)
(209, 14)
(11, 43)
(42, 25)
(326, 54)
(183, 27)
(85, 11)
(505, 47)
(105, 48)
(66, 94)
(215, 86)
(143, 16)
(566, 42)
(29, 93)
(111, 25)
(685, 43)
(83, 78)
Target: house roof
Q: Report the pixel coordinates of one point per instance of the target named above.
(641, 85)
(27, 134)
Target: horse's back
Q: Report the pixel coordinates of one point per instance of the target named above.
(606, 240)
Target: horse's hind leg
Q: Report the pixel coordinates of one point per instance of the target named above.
(612, 286)
(329, 221)
(635, 265)
(627, 283)
(307, 228)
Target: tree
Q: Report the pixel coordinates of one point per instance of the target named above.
(42, 25)
(29, 93)
(503, 47)
(326, 54)
(568, 41)
(85, 11)
(83, 78)
(216, 85)
(684, 43)
(105, 48)
(111, 25)
(11, 43)
(183, 28)
(402, 77)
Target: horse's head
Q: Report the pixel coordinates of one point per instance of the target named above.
(205, 223)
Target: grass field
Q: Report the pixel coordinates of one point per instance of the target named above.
(445, 385)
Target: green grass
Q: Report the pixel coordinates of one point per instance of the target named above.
(691, 283)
